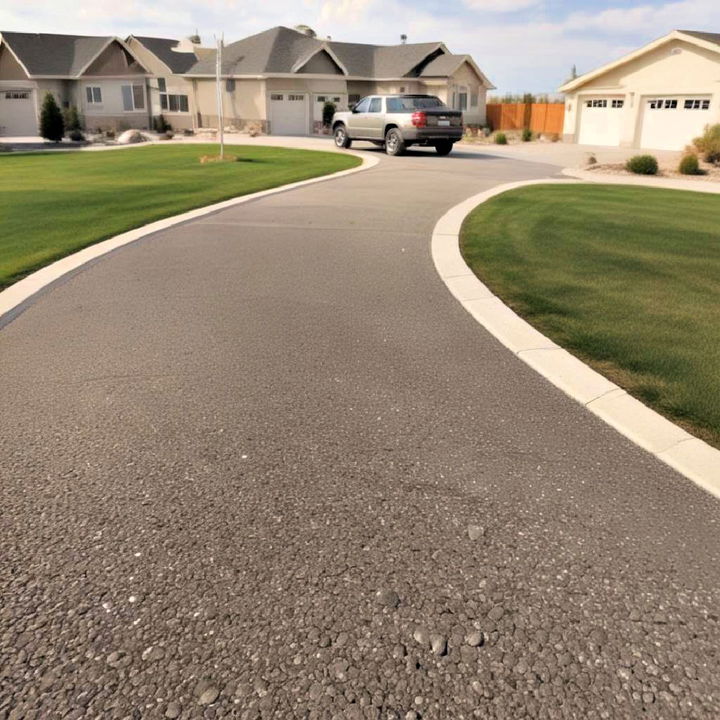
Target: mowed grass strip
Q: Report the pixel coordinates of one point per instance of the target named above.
(52, 204)
(627, 279)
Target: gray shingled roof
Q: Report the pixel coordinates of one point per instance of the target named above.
(708, 37)
(443, 65)
(46, 54)
(279, 49)
(178, 62)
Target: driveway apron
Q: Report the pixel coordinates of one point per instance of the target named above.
(263, 465)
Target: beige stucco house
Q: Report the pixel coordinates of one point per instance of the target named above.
(658, 97)
(170, 92)
(281, 79)
(100, 76)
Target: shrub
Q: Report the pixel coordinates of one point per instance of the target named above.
(689, 165)
(487, 131)
(72, 119)
(328, 112)
(160, 125)
(642, 165)
(77, 135)
(52, 125)
(527, 135)
(501, 139)
(709, 143)
(592, 160)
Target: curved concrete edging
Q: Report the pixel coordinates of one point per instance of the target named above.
(689, 455)
(16, 298)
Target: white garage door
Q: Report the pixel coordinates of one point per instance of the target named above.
(671, 123)
(601, 121)
(17, 112)
(289, 114)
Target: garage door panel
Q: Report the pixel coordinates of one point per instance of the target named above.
(671, 123)
(17, 112)
(601, 121)
(288, 114)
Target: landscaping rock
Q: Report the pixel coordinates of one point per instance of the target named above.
(130, 137)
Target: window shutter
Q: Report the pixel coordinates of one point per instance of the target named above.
(184, 107)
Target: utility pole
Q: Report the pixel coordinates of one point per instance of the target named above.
(218, 83)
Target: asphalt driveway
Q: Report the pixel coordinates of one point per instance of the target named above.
(263, 465)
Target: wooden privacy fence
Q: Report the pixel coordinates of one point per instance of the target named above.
(539, 117)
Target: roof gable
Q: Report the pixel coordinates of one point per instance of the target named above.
(50, 55)
(707, 41)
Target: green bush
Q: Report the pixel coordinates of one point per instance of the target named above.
(160, 125)
(77, 135)
(527, 135)
(327, 114)
(708, 144)
(52, 125)
(690, 165)
(72, 119)
(642, 165)
(501, 139)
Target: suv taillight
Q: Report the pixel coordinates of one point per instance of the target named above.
(419, 119)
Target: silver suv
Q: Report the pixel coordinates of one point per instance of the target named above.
(399, 121)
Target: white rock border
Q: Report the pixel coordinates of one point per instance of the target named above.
(16, 298)
(692, 457)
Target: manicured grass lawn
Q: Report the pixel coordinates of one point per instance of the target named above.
(52, 204)
(628, 279)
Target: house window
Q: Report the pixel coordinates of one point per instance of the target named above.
(322, 98)
(162, 86)
(275, 97)
(618, 104)
(133, 97)
(16, 95)
(337, 100)
(93, 95)
(662, 104)
(353, 99)
(296, 98)
(697, 104)
(474, 97)
(175, 103)
(596, 103)
(230, 85)
(463, 101)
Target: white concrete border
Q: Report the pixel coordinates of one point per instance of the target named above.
(15, 298)
(597, 176)
(690, 456)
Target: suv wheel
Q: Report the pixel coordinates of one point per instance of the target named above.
(341, 137)
(443, 148)
(394, 143)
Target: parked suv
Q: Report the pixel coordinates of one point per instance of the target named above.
(399, 121)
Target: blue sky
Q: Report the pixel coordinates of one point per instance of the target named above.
(522, 45)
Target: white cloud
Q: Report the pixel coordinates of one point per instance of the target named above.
(499, 6)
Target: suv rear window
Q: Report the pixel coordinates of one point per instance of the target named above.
(409, 104)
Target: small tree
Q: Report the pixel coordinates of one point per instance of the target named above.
(52, 125)
(328, 112)
(72, 119)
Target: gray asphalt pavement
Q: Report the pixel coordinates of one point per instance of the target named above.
(263, 465)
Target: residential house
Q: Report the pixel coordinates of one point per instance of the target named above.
(281, 79)
(170, 91)
(101, 76)
(658, 97)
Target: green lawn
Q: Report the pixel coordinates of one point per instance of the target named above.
(628, 279)
(52, 204)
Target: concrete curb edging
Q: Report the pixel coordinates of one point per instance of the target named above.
(707, 186)
(17, 297)
(690, 456)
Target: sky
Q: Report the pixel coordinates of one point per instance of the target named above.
(521, 45)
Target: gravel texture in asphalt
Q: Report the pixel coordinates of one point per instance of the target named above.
(263, 465)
